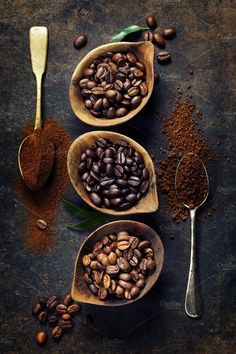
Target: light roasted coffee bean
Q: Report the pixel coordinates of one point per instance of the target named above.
(41, 337)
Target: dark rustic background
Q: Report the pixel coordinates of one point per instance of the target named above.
(205, 43)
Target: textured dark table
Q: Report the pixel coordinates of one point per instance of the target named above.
(157, 324)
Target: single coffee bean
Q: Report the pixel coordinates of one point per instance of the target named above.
(134, 292)
(102, 293)
(159, 40)
(134, 261)
(134, 275)
(141, 283)
(151, 265)
(151, 22)
(41, 224)
(148, 36)
(61, 309)
(80, 41)
(52, 319)
(128, 254)
(143, 89)
(95, 198)
(42, 317)
(66, 316)
(123, 245)
(163, 57)
(121, 112)
(149, 252)
(143, 264)
(93, 288)
(41, 337)
(125, 284)
(112, 270)
(86, 260)
(119, 291)
(127, 295)
(56, 332)
(106, 281)
(123, 263)
(135, 102)
(42, 301)
(143, 244)
(169, 33)
(52, 303)
(36, 309)
(112, 258)
(66, 325)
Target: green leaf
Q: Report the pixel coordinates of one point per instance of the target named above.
(88, 223)
(83, 213)
(119, 36)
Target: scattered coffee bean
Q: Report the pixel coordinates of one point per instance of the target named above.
(148, 36)
(41, 337)
(163, 57)
(67, 300)
(80, 41)
(56, 332)
(73, 309)
(128, 262)
(43, 301)
(41, 224)
(36, 309)
(169, 33)
(113, 173)
(52, 320)
(61, 309)
(66, 325)
(159, 40)
(110, 83)
(151, 22)
(42, 317)
(66, 316)
(52, 303)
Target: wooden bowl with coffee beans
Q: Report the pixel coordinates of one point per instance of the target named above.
(112, 83)
(112, 173)
(117, 264)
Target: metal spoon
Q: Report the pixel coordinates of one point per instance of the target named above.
(193, 302)
(38, 49)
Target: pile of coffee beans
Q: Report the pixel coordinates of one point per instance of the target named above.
(114, 174)
(57, 314)
(113, 85)
(118, 266)
(159, 38)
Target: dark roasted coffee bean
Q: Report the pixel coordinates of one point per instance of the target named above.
(134, 275)
(66, 325)
(52, 319)
(52, 303)
(144, 186)
(89, 72)
(131, 198)
(93, 288)
(95, 198)
(151, 265)
(102, 143)
(98, 106)
(42, 301)
(135, 102)
(123, 264)
(115, 202)
(61, 308)
(56, 332)
(169, 33)
(134, 292)
(125, 284)
(121, 112)
(143, 89)
(148, 36)
(143, 264)
(106, 181)
(36, 309)
(151, 22)
(112, 270)
(141, 283)
(102, 294)
(159, 40)
(111, 112)
(41, 337)
(163, 57)
(42, 317)
(80, 41)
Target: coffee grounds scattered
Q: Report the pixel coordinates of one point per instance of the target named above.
(42, 204)
(183, 136)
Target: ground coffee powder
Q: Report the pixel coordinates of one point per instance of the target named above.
(183, 136)
(42, 204)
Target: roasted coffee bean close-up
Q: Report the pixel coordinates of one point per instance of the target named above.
(113, 174)
(113, 85)
(119, 268)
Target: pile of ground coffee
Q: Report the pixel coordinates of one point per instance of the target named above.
(191, 181)
(42, 204)
(183, 136)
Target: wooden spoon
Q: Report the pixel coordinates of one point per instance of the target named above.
(80, 291)
(143, 50)
(148, 203)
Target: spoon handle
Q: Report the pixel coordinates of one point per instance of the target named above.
(38, 49)
(193, 304)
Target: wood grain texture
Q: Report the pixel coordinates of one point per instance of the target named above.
(148, 203)
(145, 53)
(81, 293)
